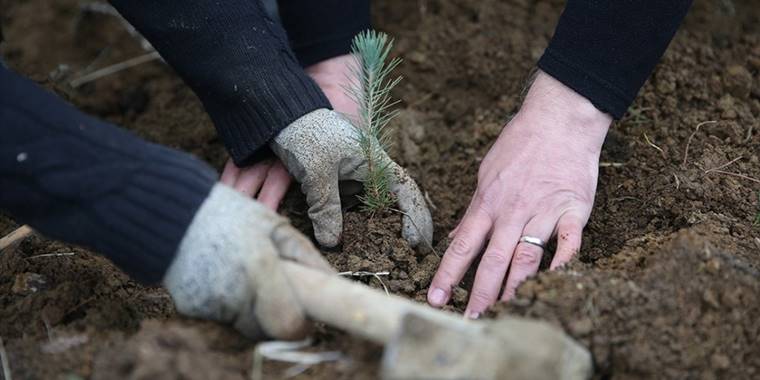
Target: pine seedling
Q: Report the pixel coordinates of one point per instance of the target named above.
(370, 87)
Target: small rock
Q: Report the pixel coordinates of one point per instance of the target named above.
(710, 298)
(728, 106)
(416, 57)
(666, 85)
(459, 295)
(738, 81)
(28, 283)
(720, 361)
(581, 327)
(713, 266)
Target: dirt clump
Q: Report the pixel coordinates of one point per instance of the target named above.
(672, 307)
(167, 351)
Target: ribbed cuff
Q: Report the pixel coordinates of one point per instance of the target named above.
(255, 114)
(145, 223)
(602, 95)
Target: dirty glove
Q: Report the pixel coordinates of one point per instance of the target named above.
(320, 149)
(228, 267)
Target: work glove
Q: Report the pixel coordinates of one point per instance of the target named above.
(228, 267)
(320, 149)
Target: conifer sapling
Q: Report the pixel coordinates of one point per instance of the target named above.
(370, 88)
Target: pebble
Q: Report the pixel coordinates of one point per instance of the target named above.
(581, 327)
(738, 81)
(28, 283)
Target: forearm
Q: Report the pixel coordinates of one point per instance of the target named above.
(238, 62)
(84, 181)
(605, 50)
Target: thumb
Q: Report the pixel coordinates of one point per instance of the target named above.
(417, 223)
(325, 212)
(275, 310)
(292, 245)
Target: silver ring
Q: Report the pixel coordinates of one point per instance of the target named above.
(533, 240)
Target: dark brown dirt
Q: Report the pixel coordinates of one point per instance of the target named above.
(666, 285)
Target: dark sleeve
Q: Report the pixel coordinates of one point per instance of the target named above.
(606, 49)
(236, 59)
(77, 179)
(323, 29)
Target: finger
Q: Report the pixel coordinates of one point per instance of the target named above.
(527, 257)
(275, 186)
(472, 234)
(275, 310)
(417, 226)
(323, 198)
(569, 236)
(230, 173)
(251, 178)
(293, 245)
(454, 231)
(493, 266)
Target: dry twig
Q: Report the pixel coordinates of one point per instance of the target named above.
(4, 361)
(367, 274)
(736, 175)
(650, 143)
(115, 68)
(53, 255)
(287, 352)
(691, 137)
(16, 236)
(708, 171)
(430, 202)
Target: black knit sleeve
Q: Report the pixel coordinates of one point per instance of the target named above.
(323, 29)
(77, 179)
(236, 59)
(606, 49)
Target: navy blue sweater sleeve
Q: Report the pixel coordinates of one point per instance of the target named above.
(236, 59)
(606, 49)
(81, 180)
(323, 29)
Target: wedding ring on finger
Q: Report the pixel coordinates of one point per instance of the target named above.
(533, 240)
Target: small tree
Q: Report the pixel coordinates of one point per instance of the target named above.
(370, 88)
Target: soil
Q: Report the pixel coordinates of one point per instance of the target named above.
(667, 284)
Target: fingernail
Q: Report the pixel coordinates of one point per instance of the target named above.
(451, 234)
(437, 297)
(472, 315)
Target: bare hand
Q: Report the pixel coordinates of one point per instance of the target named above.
(539, 179)
(265, 181)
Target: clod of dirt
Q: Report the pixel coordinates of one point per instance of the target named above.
(165, 350)
(684, 308)
(738, 81)
(409, 127)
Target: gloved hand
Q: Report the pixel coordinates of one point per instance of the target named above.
(320, 149)
(228, 268)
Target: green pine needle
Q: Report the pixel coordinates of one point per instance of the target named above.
(370, 88)
(757, 217)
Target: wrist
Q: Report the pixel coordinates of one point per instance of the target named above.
(565, 111)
